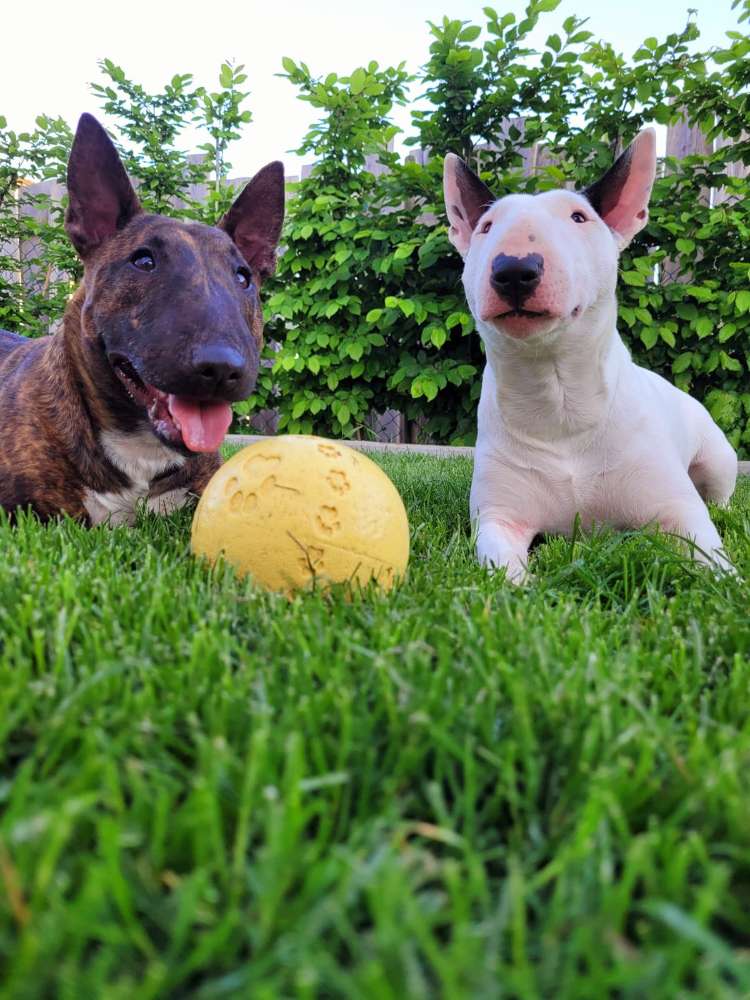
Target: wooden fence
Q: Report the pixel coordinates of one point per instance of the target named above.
(682, 140)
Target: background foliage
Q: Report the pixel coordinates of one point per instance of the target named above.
(367, 311)
(149, 133)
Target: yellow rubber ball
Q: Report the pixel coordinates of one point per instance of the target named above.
(294, 510)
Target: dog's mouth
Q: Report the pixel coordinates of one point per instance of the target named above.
(520, 323)
(528, 313)
(198, 425)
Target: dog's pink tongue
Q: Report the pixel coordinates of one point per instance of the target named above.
(203, 425)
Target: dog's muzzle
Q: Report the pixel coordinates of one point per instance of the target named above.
(515, 279)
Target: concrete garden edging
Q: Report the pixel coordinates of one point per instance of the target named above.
(437, 450)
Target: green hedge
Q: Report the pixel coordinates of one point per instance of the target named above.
(367, 305)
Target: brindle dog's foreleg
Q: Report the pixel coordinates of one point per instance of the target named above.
(174, 489)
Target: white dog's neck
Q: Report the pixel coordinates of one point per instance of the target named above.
(560, 386)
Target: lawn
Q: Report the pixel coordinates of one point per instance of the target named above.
(459, 790)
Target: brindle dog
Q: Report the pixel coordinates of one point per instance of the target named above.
(131, 399)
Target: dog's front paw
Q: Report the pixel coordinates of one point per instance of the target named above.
(718, 561)
(500, 546)
(516, 570)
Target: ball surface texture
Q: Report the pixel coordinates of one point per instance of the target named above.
(295, 510)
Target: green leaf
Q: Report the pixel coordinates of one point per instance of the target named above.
(682, 362)
(456, 319)
(685, 246)
(470, 33)
(633, 278)
(742, 301)
(226, 76)
(667, 336)
(728, 363)
(403, 251)
(373, 315)
(644, 91)
(289, 64)
(649, 336)
(357, 83)
(438, 336)
(686, 310)
(700, 292)
(704, 326)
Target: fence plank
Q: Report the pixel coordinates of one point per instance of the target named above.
(685, 140)
(734, 169)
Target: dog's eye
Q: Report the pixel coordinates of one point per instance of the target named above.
(143, 260)
(578, 217)
(244, 280)
(486, 227)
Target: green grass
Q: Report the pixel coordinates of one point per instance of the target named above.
(461, 789)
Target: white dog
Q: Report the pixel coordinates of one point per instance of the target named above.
(568, 424)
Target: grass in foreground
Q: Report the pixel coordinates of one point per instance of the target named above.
(460, 790)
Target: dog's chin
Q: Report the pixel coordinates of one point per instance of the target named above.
(520, 324)
(183, 424)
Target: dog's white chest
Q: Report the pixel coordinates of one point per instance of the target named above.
(559, 491)
(578, 488)
(141, 457)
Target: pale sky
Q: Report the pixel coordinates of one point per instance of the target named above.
(51, 49)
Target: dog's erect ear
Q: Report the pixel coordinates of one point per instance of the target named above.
(621, 196)
(101, 199)
(254, 221)
(466, 199)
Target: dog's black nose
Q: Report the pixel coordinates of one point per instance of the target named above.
(516, 278)
(218, 369)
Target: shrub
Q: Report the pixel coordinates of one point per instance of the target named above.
(328, 373)
(367, 310)
(31, 233)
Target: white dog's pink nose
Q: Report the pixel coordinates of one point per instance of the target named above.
(515, 279)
